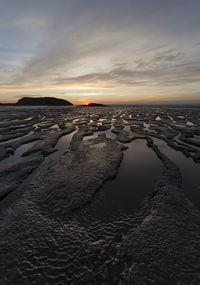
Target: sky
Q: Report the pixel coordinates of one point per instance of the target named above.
(106, 51)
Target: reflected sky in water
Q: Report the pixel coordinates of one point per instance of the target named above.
(137, 176)
(190, 171)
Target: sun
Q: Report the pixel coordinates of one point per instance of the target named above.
(86, 104)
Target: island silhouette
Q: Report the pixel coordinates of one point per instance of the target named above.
(43, 101)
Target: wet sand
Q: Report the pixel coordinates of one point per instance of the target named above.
(99, 195)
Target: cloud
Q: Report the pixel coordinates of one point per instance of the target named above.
(165, 67)
(106, 44)
(83, 32)
(168, 67)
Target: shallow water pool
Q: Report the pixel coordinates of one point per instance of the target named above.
(136, 177)
(190, 171)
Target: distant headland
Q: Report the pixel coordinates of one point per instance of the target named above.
(43, 101)
(47, 101)
(93, 105)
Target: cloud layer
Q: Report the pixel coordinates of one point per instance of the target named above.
(111, 50)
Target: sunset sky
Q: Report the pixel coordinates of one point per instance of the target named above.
(107, 51)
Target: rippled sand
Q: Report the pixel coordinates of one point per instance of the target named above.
(54, 164)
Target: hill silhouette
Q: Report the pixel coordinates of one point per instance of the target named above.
(43, 101)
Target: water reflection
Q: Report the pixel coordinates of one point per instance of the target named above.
(18, 153)
(137, 176)
(17, 138)
(109, 134)
(62, 146)
(189, 169)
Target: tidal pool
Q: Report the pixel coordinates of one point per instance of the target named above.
(17, 138)
(18, 153)
(109, 134)
(136, 177)
(62, 146)
(190, 171)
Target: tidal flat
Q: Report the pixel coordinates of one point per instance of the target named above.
(99, 195)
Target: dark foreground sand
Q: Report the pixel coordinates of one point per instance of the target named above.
(45, 237)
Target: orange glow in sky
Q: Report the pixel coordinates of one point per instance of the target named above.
(124, 57)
